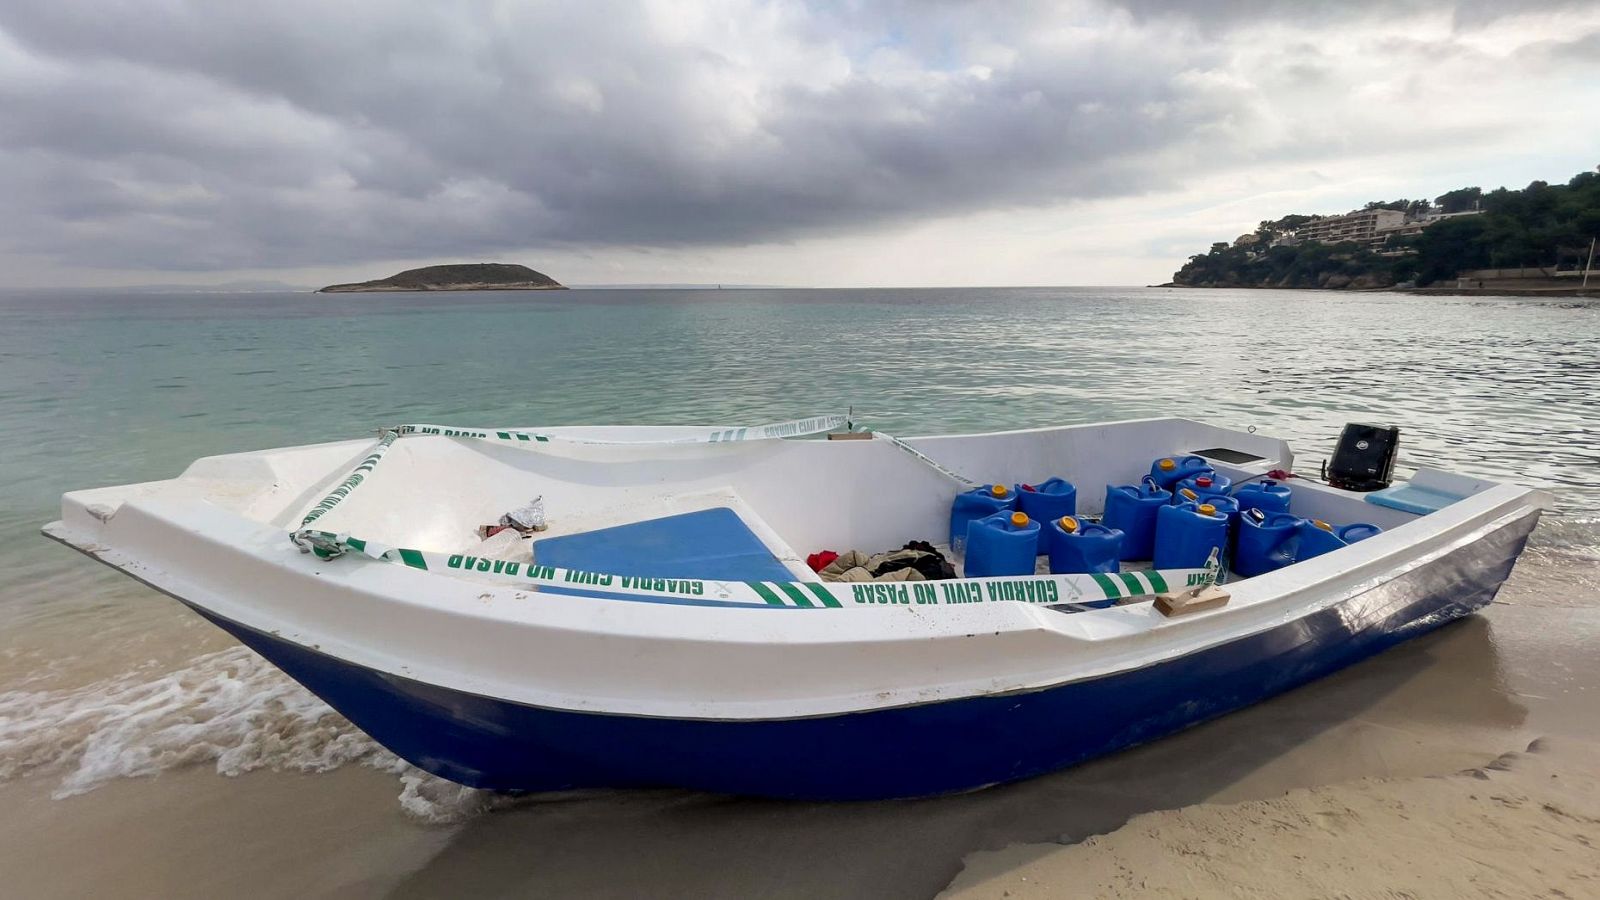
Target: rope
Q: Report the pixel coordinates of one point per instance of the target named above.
(926, 460)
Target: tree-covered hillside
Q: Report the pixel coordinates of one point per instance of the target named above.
(1540, 225)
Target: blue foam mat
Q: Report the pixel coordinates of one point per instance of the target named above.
(711, 544)
(1412, 499)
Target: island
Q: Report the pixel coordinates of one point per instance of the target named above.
(463, 277)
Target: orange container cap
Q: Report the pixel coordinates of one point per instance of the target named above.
(1188, 494)
(1019, 519)
(1069, 524)
(1207, 509)
(1321, 524)
(998, 490)
(1168, 464)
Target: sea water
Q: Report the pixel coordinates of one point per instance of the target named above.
(101, 678)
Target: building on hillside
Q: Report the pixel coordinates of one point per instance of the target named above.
(1431, 218)
(1408, 228)
(1376, 229)
(1358, 227)
(1412, 227)
(1372, 227)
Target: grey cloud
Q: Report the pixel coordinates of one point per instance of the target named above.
(1583, 50)
(1313, 14)
(214, 136)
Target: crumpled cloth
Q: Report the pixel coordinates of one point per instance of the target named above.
(820, 560)
(853, 565)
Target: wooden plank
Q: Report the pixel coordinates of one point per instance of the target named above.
(1179, 603)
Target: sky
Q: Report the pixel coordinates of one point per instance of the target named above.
(903, 142)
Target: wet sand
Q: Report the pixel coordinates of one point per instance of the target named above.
(1453, 700)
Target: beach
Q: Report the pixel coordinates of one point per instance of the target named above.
(144, 754)
(1526, 824)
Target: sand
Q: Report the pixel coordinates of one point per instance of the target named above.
(1525, 825)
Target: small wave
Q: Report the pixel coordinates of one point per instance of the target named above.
(1574, 538)
(231, 708)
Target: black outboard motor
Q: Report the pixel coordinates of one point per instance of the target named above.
(1364, 459)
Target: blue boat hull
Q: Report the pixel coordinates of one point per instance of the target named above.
(904, 752)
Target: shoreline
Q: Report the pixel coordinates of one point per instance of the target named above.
(1421, 291)
(1504, 292)
(388, 289)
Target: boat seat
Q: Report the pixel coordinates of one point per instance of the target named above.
(1413, 498)
(713, 544)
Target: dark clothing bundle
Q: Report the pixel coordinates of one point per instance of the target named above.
(916, 561)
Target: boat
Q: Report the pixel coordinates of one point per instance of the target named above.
(665, 629)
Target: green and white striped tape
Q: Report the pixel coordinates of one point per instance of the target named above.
(1037, 589)
(387, 436)
(768, 432)
(357, 475)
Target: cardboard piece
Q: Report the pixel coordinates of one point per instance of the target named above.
(1178, 603)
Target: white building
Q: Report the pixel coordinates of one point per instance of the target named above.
(1372, 227)
(1360, 226)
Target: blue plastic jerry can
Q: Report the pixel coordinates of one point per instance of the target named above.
(1082, 547)
(1268, 496)
(1266, 543)
(1187, 535)
(1207, 484)
(1001, 544)
(1316, 538)
(1131, 509)
(1225, 505)
(978, 503)
(1169, 470)
(1047, 501)
(1358, 531)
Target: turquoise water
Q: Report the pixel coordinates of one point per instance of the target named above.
(99, 389)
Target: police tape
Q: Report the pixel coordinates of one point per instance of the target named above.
(768, 432)
(353, 480)
(1098, 588)
(387, 436)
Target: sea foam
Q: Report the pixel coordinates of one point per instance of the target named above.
(231, 708)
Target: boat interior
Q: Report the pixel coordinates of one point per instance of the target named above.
(748, 511)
